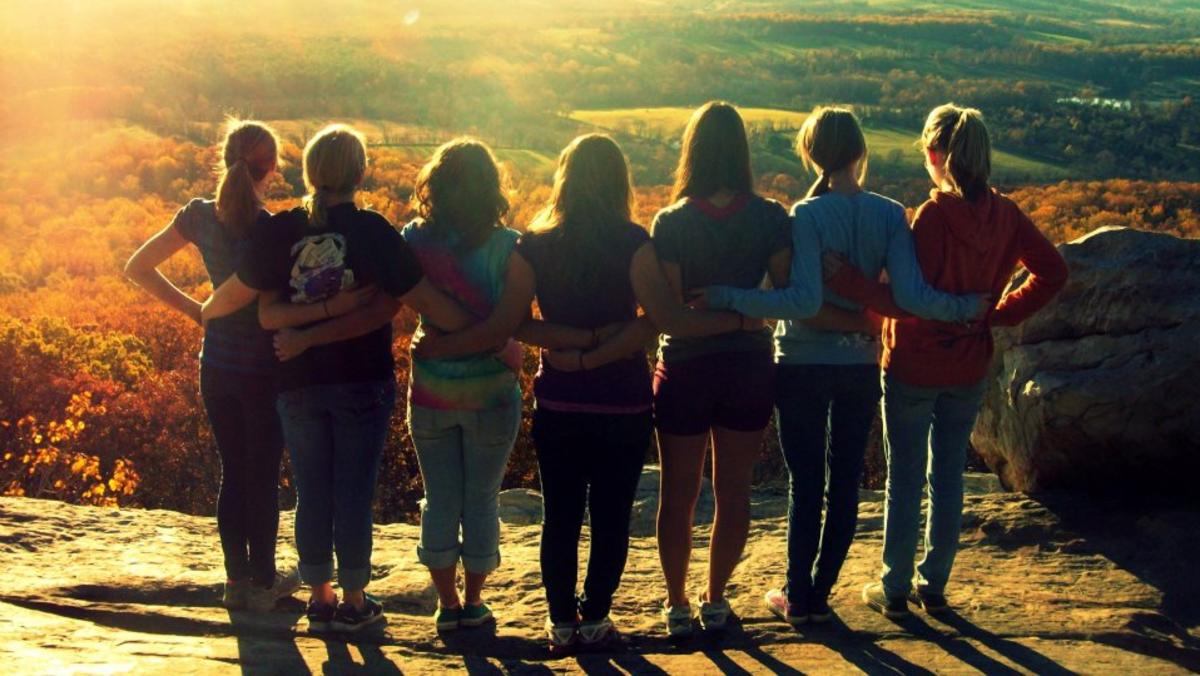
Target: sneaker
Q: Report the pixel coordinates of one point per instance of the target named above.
(234, 595)
(263, 599)
(678, 619)
(562, 637)
(934, 604)
(599, 635)
(777, 603)
(893, 608)
(320, 616)
(475, 616)
(349, 618)
(446, 619)
(819, 611)
(714, 614)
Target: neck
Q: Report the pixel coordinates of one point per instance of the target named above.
(722, 197)
(844, 182)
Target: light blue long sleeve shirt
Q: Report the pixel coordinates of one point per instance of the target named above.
(873, 233)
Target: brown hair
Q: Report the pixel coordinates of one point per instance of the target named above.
(829, 141)
(250, 152)
(959, 133)
(716, 154)
(592, 192)
(460, 191)
(335, 161)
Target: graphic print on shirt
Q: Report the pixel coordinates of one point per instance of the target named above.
(319, 268)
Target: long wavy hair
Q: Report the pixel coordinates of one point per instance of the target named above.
(249, 153)
(592, 192)
(715, 155)
(461, 191)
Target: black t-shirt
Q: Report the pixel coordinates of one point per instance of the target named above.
(307, 265)
(622, 386)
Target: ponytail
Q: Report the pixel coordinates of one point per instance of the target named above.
(960, 134)
(829, 141)
(335, 162)
(250, 153)
(819, 186)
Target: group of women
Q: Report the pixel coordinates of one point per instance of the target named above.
(298, 339)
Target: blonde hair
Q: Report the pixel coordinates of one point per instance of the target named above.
(829, 141)
(250, 152)
(461, 190)
(960, 134)
(335, 161)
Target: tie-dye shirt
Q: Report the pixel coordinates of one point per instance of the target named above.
(475, 278)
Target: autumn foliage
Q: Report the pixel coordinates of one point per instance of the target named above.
(98, 383)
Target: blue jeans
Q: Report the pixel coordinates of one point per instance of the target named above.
(824, 417)
(925, 430)
(335, 435)
(463, 455)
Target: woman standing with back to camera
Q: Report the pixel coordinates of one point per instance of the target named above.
(718, 232)
(237, 363)
(969, 239)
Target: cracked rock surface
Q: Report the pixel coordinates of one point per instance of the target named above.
(1061, 583)
(1101, 388)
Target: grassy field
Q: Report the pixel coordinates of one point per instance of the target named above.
(668, 123)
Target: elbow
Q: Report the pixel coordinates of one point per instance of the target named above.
(134, 270)
(268, 320)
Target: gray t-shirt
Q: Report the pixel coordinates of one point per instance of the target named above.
(725, 246)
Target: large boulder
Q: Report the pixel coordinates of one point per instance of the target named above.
(1101, 389)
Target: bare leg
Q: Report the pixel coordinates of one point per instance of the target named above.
(733, 468)
(474, 590)
(324, 594)
(445, 580)
(682, 459)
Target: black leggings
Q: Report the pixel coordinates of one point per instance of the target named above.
(245, 425)
(592, 461)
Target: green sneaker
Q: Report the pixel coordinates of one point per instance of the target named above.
(234, 596)
(447, 619)
(475, 616)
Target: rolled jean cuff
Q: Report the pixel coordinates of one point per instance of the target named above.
(316, 573)
(437, 560)
(354, 578)
(481, 564)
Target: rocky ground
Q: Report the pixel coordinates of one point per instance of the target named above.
(1053, 584)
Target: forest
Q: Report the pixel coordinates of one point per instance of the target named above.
(1091, 109)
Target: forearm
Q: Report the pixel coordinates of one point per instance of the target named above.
(834, 318)
(795, 303)
(850, 284)
(357, 323)
(631, 339)
(554, 336)
(281, 314)
(161, 288)
(1047, 276)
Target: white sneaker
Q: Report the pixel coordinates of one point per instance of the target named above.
(263, 599)
(678, 619)
(714, 615)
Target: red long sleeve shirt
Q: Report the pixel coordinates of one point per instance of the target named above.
(962, 247)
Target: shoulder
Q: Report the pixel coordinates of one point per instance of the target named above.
(672, 214)
(929, 212)
(506, 236)
(193, 215)
(883, 202)
(289, 218)
(374, 220)
(767, 207)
